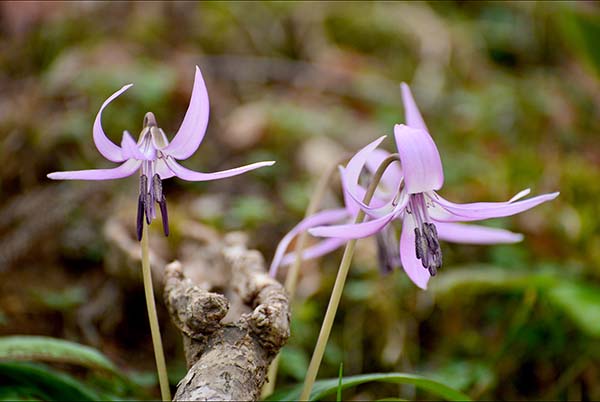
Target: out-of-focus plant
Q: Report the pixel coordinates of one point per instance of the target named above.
(22, 380)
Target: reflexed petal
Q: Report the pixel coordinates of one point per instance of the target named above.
(475, 234)
(485, 210)
(190, 175)
(353, 230)
(106, 147)
(192, 130)
(392, 177)
(411, 111)
(355, 165)
(421, 163)
(130, 150)
(354, 200)
(126, 169)
(163, 170)
(412, 266)
(323, 247)
(320, 218)
(378, 208)
(351, 173)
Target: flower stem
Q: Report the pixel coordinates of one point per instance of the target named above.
(153, 318)
(338, 287)
(291, 279)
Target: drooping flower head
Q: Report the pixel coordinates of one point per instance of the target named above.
(154, 156)
(345, 215)
(426, 217)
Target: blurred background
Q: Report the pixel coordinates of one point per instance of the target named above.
(510, 92)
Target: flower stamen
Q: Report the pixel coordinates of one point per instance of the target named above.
(141, 206)
(427, 245)
(159, 197)
(388, 252)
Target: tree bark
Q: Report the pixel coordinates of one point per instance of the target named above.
(229, 341)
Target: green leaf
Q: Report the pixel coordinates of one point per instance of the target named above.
(581, 302)
(465, 375)
(323, 388)
(338, 397)
(41, 348)
(293, 362)
(29, 381)
(484, 278)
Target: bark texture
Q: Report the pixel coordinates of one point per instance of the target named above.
(230, 337)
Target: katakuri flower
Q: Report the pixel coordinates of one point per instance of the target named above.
(154, 156)
(335, 216)
(426, 217)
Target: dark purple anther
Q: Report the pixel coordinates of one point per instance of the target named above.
(142, 206)
(157, 192)
(164, 215)
(388, 251)
(148, 207)
(140, 217)
(427, 247)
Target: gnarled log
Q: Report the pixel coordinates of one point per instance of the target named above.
(227, 355)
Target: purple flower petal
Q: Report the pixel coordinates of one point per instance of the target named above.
(192, 130)
(126, 169)
(392, 177)
(323, 247)
(411, 111)
(130, 150)
(353, 199)
(320, 218)
(485, 210)
(351, 174)
(475, 234)
(412, 266)
(353, 192)
(106, 147)
(355, 230)
(190, 175)
(163, 170)
(355, 165)
(420, 158)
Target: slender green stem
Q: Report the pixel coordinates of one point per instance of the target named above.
(291, 279)
(338, 287)
(153, 318)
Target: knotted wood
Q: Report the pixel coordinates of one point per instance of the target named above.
(230, 336)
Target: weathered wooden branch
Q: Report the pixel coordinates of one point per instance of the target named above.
(231, 338)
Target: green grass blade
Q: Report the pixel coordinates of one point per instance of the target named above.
(324, 388)
(340, 381)
(37, 382)
(41, 348)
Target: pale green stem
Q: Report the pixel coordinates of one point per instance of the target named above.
(338, 287)
(159, 355)
(291, 279)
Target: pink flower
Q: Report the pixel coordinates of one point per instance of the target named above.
(426, 217)
(154, 156)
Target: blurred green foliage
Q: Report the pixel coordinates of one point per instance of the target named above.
(509, 92)
(27, 381)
